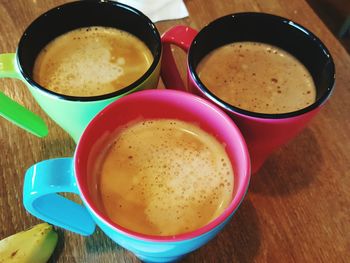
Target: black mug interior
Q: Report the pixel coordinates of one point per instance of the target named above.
(67, 17)
(269, 29)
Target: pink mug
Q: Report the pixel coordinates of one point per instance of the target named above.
(44, 180)
(263, 132)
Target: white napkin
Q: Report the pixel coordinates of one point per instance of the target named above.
(158, 10)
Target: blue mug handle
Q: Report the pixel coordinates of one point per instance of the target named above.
(42, 183)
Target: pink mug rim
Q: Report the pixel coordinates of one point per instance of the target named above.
(230, 210)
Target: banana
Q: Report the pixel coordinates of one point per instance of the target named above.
(34, 245)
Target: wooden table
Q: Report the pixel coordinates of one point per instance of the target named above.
(298, 205)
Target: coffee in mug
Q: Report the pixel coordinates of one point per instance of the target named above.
(145, 174)
(257, 77)
(163, 177)
(92, 61)
(278, 94)
(82, 62)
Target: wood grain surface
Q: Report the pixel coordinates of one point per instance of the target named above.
(298, 206)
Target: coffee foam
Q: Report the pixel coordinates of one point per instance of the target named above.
(257, 77)
(92, 61)
(165, 177)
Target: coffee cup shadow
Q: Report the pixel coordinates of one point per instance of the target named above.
(290, 169)
(239, 241)
(100, 243)
(95, 245)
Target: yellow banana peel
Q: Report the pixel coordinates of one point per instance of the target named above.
(34, 245)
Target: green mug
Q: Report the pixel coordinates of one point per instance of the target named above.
(73, 113)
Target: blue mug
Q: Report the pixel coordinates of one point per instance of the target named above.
(45, 179)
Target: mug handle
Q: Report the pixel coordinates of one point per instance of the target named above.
(181, 36)
(13, 111)
(42, 182)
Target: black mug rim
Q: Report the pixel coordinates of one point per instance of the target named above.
(238, 110)
(125, 90)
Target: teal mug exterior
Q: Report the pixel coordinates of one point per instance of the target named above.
(45, 179)
(73, 113)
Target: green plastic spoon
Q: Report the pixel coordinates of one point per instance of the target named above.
(13, 111)
(22, 117)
